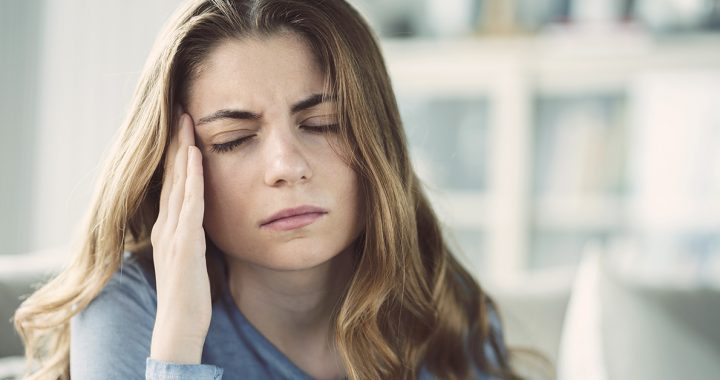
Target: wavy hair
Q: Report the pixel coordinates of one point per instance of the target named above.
(410, 304)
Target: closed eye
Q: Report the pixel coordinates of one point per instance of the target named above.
(228, 146)
(320, 128)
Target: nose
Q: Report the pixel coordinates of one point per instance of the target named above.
(286, 163)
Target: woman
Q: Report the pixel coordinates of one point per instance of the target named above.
(259, 218)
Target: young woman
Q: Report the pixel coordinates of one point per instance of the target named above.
(259, 218)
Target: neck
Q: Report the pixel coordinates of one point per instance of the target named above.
(291, 308)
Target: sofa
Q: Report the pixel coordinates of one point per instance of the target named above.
(19, 275)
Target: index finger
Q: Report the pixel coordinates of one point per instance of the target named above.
(169, 160)
(193, 207)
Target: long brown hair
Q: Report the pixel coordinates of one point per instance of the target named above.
(409, 304)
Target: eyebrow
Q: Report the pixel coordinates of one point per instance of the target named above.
(227, 114)
(311, 101)
(234, 114)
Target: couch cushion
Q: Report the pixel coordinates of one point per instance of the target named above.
(20, 275)
(11, 367)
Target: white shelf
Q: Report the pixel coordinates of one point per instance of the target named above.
(511, 73)
(463, 210)
(578, 212)
(553, 64)
(678, 214)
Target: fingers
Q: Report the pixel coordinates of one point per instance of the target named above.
(183, 288)
(179, 173)
(182, 196)
(168, 169)
(193, 207)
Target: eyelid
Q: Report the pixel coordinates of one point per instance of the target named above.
(321, 119)
(230, 145)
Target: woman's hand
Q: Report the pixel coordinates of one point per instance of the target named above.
(183, 289)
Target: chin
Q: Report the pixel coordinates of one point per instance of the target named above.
(291, 257)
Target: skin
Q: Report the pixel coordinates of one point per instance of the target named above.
(285, 282)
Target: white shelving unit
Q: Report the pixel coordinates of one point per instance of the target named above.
(512, 74)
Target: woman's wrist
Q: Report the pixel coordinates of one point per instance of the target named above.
(168, 345)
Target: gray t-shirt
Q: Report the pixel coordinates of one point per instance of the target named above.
(111, 338)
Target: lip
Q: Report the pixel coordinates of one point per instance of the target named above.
(292, 218)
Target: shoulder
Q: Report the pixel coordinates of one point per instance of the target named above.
(113, 333)
(129, 292)
(132, 285)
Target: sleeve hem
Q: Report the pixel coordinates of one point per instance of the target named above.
(159, 370)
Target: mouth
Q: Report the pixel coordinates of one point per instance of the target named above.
(293, 218)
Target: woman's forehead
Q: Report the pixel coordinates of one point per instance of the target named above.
(257, 69)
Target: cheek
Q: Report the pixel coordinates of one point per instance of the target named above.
(346, 186)
(341, 176)
(357, 202)
(226, 193)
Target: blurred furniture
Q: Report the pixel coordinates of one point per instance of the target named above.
(659, 331)
(527, 145)
(19, 276)
(621, 326)
(581, 351)
(533, 312)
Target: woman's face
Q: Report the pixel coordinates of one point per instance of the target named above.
(267, 139)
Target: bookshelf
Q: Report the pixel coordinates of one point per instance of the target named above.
(527, 144)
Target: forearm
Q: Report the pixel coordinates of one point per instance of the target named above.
(170, 344)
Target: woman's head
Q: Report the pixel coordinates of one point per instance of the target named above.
(269, 134)
(287, 66)
(264, 58)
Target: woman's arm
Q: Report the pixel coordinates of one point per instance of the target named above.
(119, 336)
(178, 240)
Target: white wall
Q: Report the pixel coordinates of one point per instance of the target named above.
(91, 57)
(19, 50)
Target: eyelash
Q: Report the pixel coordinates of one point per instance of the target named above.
(228, 146)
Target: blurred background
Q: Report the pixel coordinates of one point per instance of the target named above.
(571, 147)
